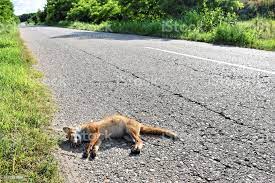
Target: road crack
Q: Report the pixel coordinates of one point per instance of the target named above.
(221, 114)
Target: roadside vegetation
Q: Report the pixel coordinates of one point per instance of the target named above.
(235, 22)
(25, 110)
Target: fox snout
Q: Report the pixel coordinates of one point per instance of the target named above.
(73, 137)
(77, 139)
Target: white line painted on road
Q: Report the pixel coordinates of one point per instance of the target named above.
(211, 60)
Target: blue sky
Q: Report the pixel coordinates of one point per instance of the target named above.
(27, 6)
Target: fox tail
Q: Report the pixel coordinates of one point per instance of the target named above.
(147, 129)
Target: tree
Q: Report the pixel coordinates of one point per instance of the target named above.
(41, 15)
(141, 9)
(176, 8)
(57, 9)
(26, 16)
(95, 11)
(6, 12)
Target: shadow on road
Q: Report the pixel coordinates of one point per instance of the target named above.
(106, 145)
(103, 35)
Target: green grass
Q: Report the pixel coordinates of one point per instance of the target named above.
(235, 35)
(166, 29)
(258, 33)
(265, 29)
(25, 111)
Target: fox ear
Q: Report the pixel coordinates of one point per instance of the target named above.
(66, 129)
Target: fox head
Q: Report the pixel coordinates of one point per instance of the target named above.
(73, 135)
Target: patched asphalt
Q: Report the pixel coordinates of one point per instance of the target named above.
(224, 114)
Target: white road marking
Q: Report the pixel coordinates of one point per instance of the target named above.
(216, 61)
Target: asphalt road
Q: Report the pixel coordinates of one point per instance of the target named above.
(219, 100)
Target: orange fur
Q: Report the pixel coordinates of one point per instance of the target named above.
(115, 126)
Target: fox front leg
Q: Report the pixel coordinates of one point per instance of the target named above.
(94, 149)
(90, 146)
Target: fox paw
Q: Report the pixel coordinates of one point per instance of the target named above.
(92, 155)
(135, 150)
(85, 155)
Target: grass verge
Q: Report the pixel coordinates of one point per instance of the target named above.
(265, 32)
(26, 110)
(257, 33)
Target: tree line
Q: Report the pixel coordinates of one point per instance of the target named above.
(97, 11)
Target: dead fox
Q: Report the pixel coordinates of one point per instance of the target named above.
(115, 126)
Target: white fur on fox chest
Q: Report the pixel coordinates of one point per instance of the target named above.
(114, 131)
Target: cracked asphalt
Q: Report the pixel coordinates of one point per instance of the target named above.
(224, 114)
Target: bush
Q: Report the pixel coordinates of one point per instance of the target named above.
(25, 17)
(174, 8)
(228, 6)
(206, 19)
(234, 35)
(41, 16)
(57, 9)
(192, 18)
(141, 10)
(211, 18)
(253, 9)
(94, 11)
(98, 11)
(109, 11)
(6, 12)
(138, 27)
(84, 11)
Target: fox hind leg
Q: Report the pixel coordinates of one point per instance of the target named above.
(138, 142)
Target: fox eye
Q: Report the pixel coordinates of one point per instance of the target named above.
(77, 137)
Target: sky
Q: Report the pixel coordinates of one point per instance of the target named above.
(27, 6)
